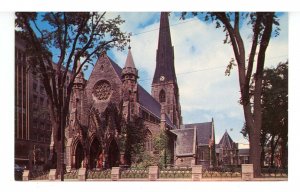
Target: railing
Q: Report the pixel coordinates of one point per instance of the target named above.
(221, 172)
(39, 175)
(180, 172)
(274, 172)
(99, 174)
(126, 173)
(73, 174)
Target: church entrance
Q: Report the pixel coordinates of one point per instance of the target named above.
(95, 151)
(113, 154)
(79, 155)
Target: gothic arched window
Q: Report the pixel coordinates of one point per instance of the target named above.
(162, 96)
(148, 141)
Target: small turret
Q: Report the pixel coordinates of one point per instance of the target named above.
(130, 91)
(129, 71)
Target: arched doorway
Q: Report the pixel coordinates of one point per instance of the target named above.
(79, 155)
(113, 154)
(95, 151)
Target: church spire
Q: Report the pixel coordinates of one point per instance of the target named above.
(165, 70)
(129, 68)
(164, 85)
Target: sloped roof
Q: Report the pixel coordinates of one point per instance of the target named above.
(116, 67)
(243, 152)
(226, 141)
(184, 142)
(203, 130)
(145, 99)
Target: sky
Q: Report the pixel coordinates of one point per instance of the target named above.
(200, 62)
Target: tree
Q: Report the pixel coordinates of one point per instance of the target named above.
(135, 134)
(69, 37)
(274, 133)
(162, 146)
(262, 28)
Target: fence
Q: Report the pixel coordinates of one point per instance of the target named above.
(99, 174)
(152, 173)
(232, 172)
(274, 172)
(73, 174)
(129, 173)
(39, 175)
(180, 172)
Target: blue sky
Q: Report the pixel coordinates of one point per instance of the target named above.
(200, 61)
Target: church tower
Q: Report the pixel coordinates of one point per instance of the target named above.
(130, 89)
(164, 84)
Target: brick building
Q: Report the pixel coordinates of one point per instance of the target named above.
(32, 124)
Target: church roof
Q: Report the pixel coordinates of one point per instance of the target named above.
(203, 130)
(185, 142)
(145, 99)
(192, 135)
(226, 141)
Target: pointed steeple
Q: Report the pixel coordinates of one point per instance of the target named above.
(165, 70)
(129, 68)
(129, 61)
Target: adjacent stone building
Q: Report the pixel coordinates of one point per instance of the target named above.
(227, 151)
(195, 145)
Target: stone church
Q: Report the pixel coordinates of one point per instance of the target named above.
(94, 127)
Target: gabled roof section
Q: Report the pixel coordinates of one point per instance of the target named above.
(204, 132)
(116, 67)
(226, 141)
(184, 141)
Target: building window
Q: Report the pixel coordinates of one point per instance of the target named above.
(162, 96)
(34, 124)
(202, 155)
(41, 101)
(34, 85)
(102, 90)
(148, 141)
(35, 98)
(42, 89)
(152, 118)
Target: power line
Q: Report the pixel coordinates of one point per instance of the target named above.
(194, 71)
(211, 68)
(135, 34)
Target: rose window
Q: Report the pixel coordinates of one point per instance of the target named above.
(102, 90)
